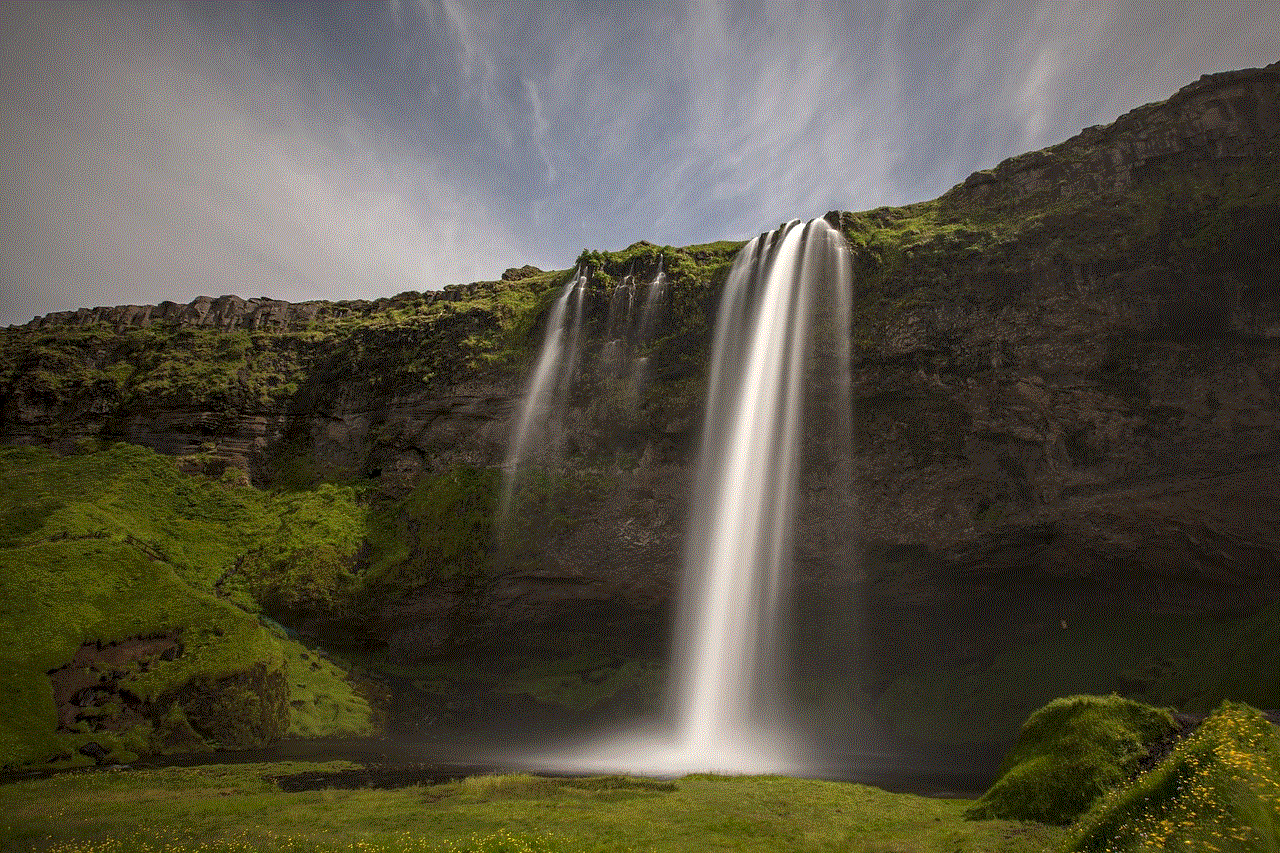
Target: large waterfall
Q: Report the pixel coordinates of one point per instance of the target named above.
(781, 352)
(729, 641)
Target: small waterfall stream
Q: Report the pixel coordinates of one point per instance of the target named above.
(542, 412)
(539, 432)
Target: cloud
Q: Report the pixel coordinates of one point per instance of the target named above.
(358, 149)
(538, 131)
(156, 176)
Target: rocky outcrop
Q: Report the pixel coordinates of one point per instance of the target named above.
(230, 313)
(86, 687)
(1231, 116)
(93, 692)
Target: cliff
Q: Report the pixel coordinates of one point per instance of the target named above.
(1065, 394)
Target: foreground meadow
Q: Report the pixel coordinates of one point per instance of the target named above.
(240, 808)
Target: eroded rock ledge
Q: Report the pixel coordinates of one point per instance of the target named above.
(229, 313)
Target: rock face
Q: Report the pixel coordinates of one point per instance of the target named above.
(229, 313)
(1215, 122)
(1065, 391)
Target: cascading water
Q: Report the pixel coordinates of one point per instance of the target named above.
(546, 397)
(539, 430)
(727, 710)
(656, 292)
(615, 351)
(648, 324)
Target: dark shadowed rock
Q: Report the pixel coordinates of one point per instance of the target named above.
(93, 750)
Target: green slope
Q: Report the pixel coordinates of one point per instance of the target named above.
(111, 565)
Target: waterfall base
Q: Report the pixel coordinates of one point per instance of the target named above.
(664, 753)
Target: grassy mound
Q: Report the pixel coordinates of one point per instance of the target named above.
(122, 633)
(1070, 752)
(1219, 790)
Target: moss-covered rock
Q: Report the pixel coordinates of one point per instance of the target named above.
(1068, 754)
(245, 710)
(1218, 790)
(440, 531)
(121, 626)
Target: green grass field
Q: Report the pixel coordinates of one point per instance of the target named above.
(236, 808)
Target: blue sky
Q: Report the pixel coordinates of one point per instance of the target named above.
(354, 150)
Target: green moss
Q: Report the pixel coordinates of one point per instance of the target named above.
(321, 699)
(104, 547)
(304, 553)
(1218, 790)
(584, 680)
(1070, 752)
(441, 530)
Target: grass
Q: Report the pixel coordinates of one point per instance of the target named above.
(109, 546)
(1069, 753)
(232, 808)
(1219, 790)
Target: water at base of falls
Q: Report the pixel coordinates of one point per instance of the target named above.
(781, 346)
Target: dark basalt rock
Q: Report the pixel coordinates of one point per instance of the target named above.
(88, 690)
(242, 711)
(1207, 126)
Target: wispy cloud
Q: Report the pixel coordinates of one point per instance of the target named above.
(154, 178)
(538, 128)
(356, 150)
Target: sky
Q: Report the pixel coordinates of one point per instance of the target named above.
(355, 150)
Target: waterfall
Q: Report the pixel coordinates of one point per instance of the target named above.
(616, 349)
(626, 329)
(781, 346)
(539, 430)
(546, 397)
(656, 292)
(737, 566)
(645, 329)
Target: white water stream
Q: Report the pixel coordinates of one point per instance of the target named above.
(541, 414)
(539, 431)
(727, 709)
